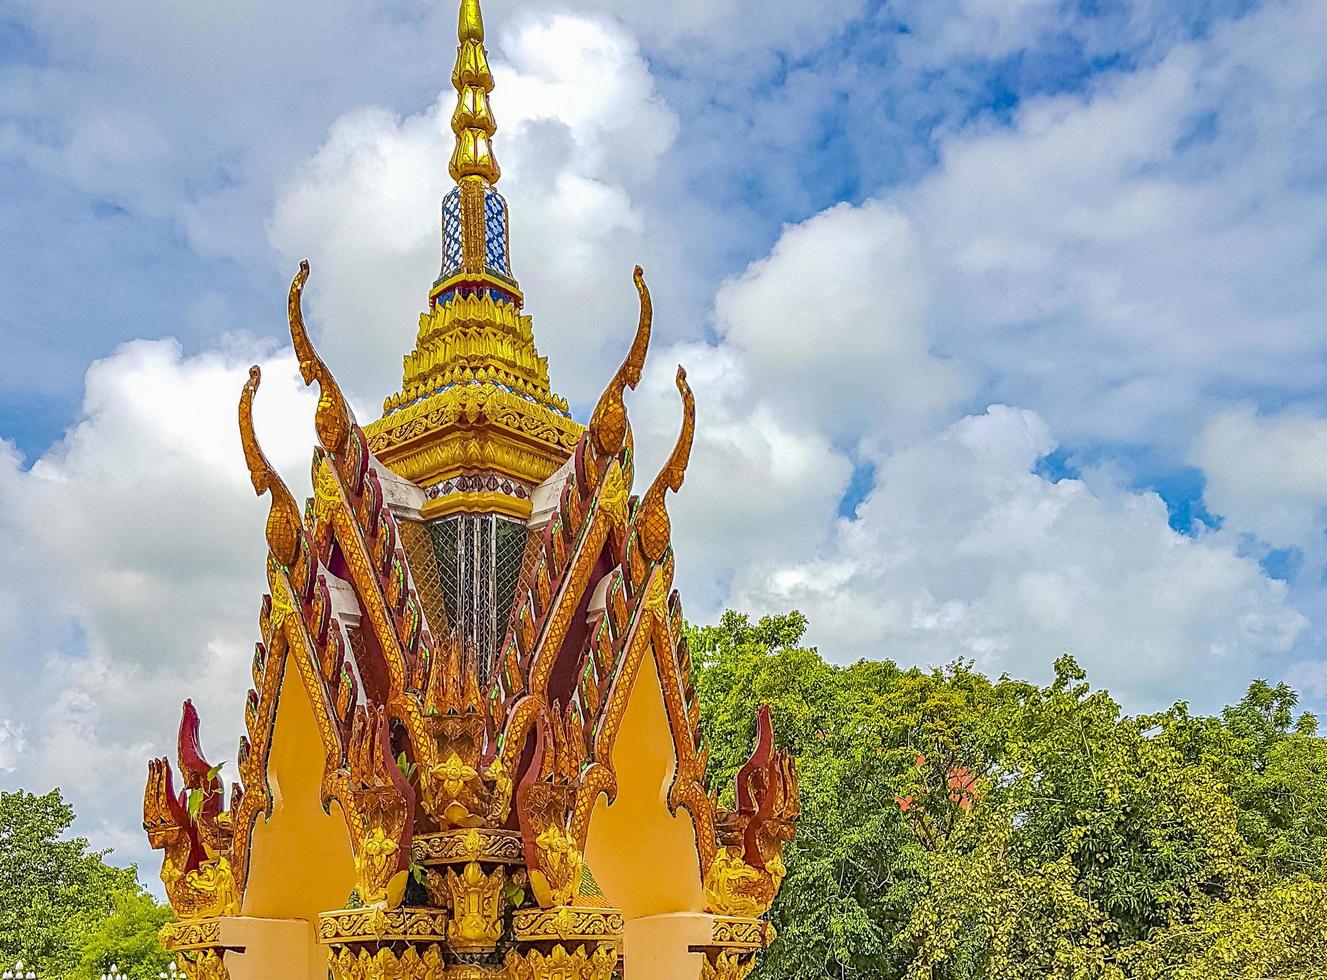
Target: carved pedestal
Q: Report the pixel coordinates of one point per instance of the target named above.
(385, 944)
(569, 942)
(734, 943)
(197, 946)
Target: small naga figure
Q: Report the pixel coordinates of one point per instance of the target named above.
(193, 827)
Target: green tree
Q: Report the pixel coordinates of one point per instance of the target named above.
(60, 902)
(955, 827)
(127, 937)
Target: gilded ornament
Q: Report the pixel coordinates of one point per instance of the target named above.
(333, 420)
(378, 925)
(727, 966)
(285, 520)
(414, 962)
(608, 423)
(476, 902)
(559, 964)
(558, 877)
(206, 964)
(652, 523)
(379, 806)
(568, 922)
(471, 844)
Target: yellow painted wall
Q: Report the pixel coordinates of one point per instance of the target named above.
(263, 949)
(656, 946)
(643, 857)
(301, 861)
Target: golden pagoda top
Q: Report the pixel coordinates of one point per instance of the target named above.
(472, 122)
(476, 424)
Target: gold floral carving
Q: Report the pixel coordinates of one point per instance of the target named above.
(558, 877)
(379, 806)
(190, 933)
(727, 966)
(412, 963)
(747, 933)
(376, 925)
(559, 964)
(733, 887)
(472, 844)
(204, 964)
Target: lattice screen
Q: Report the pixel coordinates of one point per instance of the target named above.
(468, 574)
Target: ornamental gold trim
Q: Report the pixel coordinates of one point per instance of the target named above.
(204, 964)
(483, 502)
(411, 963)
(374, 925)
(735, 931)
(559, 964)
(189, 934)
(727, 966)
(464, 846)
(568, 922)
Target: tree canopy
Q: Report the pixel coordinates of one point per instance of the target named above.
(954, 826)
(63, 908)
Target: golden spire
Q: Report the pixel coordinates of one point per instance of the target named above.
(472, 122)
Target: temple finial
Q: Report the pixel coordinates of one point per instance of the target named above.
(472, 122)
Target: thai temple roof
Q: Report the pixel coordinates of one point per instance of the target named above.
(472, 700)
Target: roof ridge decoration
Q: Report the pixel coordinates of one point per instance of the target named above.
(469, 796)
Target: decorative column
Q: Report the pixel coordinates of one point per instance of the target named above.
(469, 871)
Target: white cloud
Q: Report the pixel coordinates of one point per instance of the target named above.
(138, 562)
(12, 744)
(1267, 475)
(832, 319)
(961, 547)
(1119, 258)
(963, 550)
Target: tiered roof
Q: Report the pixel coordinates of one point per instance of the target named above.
(470, 796)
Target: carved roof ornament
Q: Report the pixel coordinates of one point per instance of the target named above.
(459, 804)
(285, 526)
(609, 421)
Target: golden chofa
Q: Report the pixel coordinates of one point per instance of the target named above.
(472, 696)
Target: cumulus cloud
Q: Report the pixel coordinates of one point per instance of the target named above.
(962, 545)
(1267, 475)
(137, 546)
(1122, 256)
(963, 550)
(832, 319)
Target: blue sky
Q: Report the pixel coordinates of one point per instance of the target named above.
(1006, 321)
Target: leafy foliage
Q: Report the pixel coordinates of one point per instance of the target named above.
(61, 905)
(956, 827)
